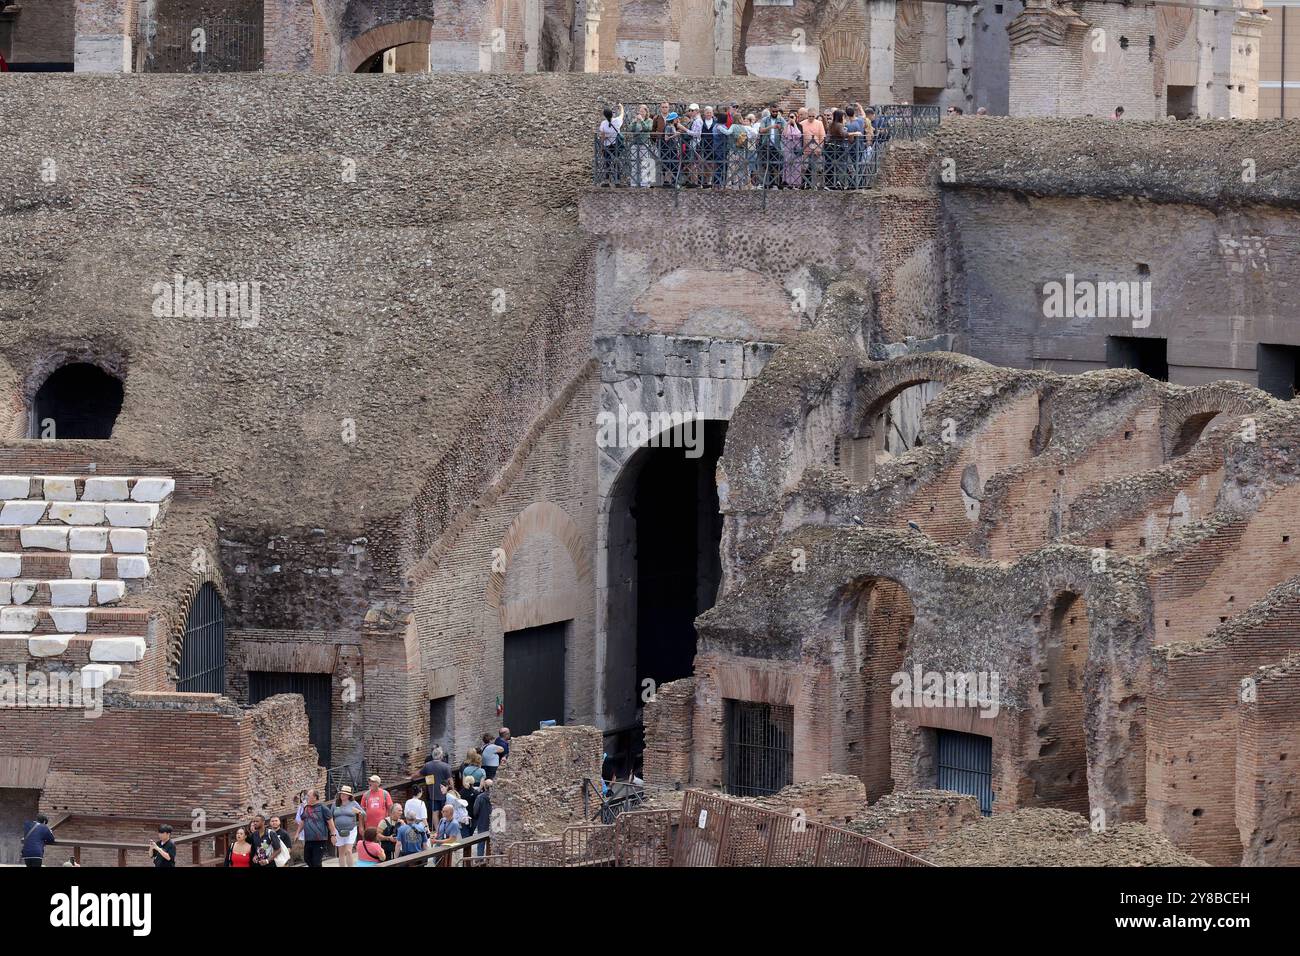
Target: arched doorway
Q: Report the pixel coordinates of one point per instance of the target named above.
(202, 667)
(79, 400)
(890, 427)
(1057, 751)
(664, 535)
(879, 627)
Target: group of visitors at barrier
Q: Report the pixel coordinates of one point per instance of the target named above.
(721, 147)
(366, 830)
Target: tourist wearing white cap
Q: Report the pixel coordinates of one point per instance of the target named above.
(376, 802)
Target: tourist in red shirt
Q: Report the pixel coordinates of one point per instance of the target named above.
(376, 802)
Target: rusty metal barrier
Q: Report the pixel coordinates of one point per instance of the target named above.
(718, 831)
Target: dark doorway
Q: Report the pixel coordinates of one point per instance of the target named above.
(534, 677)
(76, 401)
(965, 765)
(1279, 370)
(760, 748)
(316, 697)
(442, 711)
(678, 534)
(203, 649)
(1148, 356)
(1180, 102)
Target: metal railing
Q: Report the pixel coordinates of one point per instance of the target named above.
(721, 162)
(201, 45)
(444, 855)
(623, 796)
(718, 831)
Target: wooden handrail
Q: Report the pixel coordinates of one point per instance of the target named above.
(444, 851)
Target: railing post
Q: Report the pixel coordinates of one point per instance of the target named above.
(76, 855)
(121, 856)
(196, 852)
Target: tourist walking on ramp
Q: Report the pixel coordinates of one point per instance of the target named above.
(391, 824)
(162, 853)
(491, 756)
(315, 828)
(376, 802)
(413, 837)
(369, 851)
(347, 819)
(240, 853)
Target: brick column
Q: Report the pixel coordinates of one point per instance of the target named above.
(287, 36)
(104, 29)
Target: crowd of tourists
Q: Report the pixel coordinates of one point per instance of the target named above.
(452, 803)
(724, 147)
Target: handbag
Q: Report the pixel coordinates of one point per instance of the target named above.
(282, 857)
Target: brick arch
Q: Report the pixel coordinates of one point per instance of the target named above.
(363, 47)
(540, 517)
(883, 382)
(176, 643)
(1186, 413)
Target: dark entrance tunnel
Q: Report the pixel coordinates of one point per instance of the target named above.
(76, 401)
(664, 537)
(678, 532)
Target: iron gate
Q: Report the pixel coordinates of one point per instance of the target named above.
(534, 677)
(203, 648)
(966, 766)
(760, 748)
(316, 697)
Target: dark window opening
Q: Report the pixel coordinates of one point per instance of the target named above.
(1180, 101)
(760, 748)
(533, 689)
(965, 765)
(1148, 356)
(1279, 370)
(317, 699)
(76, 401)
(203, 649)
(442, 715)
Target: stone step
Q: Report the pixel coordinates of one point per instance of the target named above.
(93, 621)
(23, 512)
(59, 565)
(56, 537)
(102, 649)
(67, 592)
(94, 488)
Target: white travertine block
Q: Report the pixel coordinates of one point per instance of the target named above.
(130, 515)
(77, 512)
(70, 592)
(49, 537)
(87, 539)
(129, 540)
(47, 645)
(23, 511)
(117, 649)
(22, 591)
(153, 489)
(6, 591)
(97, 675)
(132, 566)
(15, 486)
(11, 565)
(87, 566)
(70, 620)
(59, 489)
(18, 620)
(105, 489)
(109, 592)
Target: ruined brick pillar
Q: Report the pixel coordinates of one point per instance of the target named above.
(287, 30)
(104, 32)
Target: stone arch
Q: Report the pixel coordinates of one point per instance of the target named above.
(540, 517)
(74, 397)
(203, 582)
(377, 39)
(1187, 414)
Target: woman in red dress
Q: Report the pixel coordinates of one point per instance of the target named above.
(241, 851)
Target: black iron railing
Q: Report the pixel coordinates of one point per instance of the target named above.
(721, 162)
(738, 158)
(199, 45)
